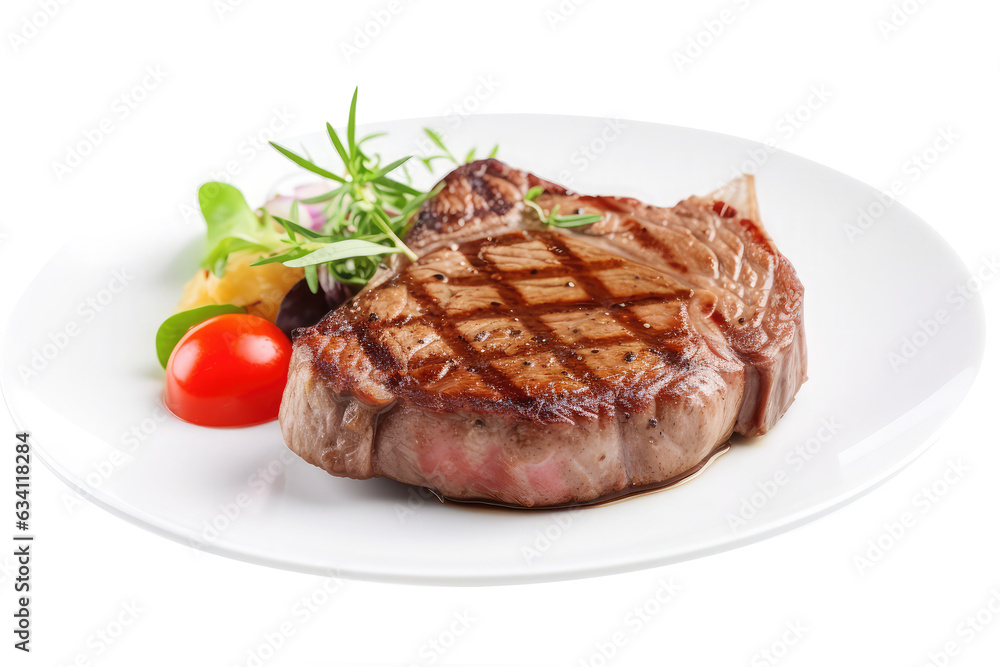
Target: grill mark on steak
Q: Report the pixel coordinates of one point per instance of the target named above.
(494, 379)
(623, 315)
(495, 202)
(504, 309)
(544, 339)
(583, 344)
(380, 357)
(528, 314)
(647, 240)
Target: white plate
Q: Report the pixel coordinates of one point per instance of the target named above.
(93, 402)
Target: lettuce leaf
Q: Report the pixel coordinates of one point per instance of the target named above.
(175, 326)
(232, 226)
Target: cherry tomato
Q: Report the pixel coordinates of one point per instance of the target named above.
(229, 370)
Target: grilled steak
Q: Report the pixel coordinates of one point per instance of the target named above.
(534, 366)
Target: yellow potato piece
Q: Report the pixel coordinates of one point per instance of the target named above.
(259, 288)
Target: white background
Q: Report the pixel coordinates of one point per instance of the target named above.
(226, 68)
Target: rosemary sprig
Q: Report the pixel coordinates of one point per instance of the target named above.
(367, 211)
(552, 217)
(447, 154)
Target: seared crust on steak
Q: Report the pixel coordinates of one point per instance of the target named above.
(533, 366)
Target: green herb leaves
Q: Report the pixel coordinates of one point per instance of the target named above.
(342, 250)
(232, 226)
(447, 154)
(366, 215)
(175, 326)
(553, 218)
(533, 192)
